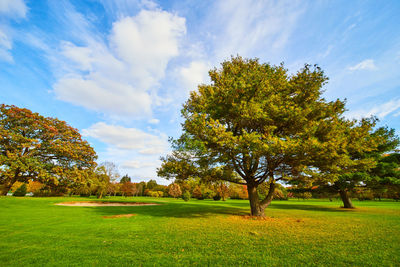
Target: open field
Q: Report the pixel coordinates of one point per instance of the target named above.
(36, 232)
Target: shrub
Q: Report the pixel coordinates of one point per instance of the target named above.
(21, 191)
(49, 193)
(156, 193)
(34, 186)
(217, 197)
(186, 196)
(208, 193)
(197, 193)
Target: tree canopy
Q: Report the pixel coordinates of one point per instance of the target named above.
(48, 150)
(256, 123)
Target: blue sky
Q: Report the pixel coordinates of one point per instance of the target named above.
(119, 71)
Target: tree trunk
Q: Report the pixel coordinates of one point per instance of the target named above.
(257, 207)
(254, 201)
(5, 190)
(346, 199)
(7, 187)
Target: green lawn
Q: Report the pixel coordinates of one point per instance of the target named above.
(215, 233)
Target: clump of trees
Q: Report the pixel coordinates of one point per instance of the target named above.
(256, 124)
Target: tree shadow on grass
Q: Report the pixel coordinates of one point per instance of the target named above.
(177, 210)
(284, 205)
(307, 207)
(202, 210)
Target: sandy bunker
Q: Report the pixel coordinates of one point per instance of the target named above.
(100, 203)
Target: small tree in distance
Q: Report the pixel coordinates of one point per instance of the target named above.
(128, 189)
(21, 191)
(175, 190)
(125, 179)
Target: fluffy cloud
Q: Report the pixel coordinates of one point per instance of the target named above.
(133, 150)
(128, 138)
(147, 42)
(367, 64)
(9, 9)
(121, 77)
(194, 74)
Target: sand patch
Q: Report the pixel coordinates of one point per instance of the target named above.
(102, 204)
(119, 216)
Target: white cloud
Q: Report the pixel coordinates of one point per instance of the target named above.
(135, 164)
(154, 121)
(248, 27)
(135, 152)
(128, 138)
(381, 111)
(367, 64)
(121, 77)
(15, 8)
(147, 42)
(194, 74)
(10, 9)
(5, 46)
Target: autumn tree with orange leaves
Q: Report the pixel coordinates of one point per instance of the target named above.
(175, 190)
(43, 149)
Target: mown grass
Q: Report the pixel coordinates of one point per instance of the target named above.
(35, 232)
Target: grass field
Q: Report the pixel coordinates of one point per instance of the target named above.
(199, 233)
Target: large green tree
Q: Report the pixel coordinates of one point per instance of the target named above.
(256, 123)
(48, 150)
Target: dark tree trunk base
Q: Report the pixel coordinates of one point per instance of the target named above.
(257, 206)
(344, 195)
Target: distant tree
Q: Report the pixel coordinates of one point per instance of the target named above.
(160, 187)
(21, 191)
(113, 188)
(125, 179)
(34, 186)
(186, 196)
(41, 149)
(185, 186)
(141, 187)
(197, 193)
(223, 191)
(238, 191)
(280, 191)
(111, 170)
(175, 190)
(101, 180)
(151, 184)
(15, 186)
(128, 189)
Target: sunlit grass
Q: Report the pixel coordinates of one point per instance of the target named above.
(36, 232)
